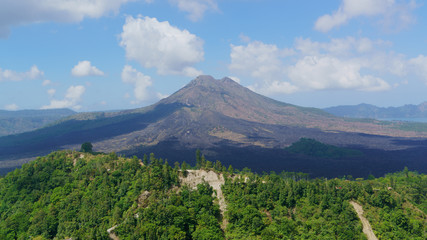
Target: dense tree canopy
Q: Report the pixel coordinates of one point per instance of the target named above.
(80, 195)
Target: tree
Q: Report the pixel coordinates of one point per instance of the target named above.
(184, 166)
(406, 171)
(218, 165)
(208, 164)
(230, 169)
(198, 159)
(86, 147)
(176, 164)
(145, 160)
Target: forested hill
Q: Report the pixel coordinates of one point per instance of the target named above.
(69, 194)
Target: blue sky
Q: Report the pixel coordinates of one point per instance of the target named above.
(96, 55)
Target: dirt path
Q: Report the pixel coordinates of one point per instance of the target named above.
(111, 233)
(367, 229)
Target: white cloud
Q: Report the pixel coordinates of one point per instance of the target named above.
(263, 62)
(195, 8)
(259, 59)
(274, 87)
(51, 92)
(140, 81)
(159, 45)
(244, 38)
(339, 46)
(395, 15)
(14, 13)
(46, 82)
(318, 73)
(236, 79)
(419, 66)
(85, 68)
(347, 63)
(161, 96)
(9, 75)
(11, 107)
(71, 99)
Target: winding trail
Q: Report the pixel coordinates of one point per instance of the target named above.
(367, 229)
(111, 233)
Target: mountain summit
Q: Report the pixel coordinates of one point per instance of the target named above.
(226, 120)
(226, 97)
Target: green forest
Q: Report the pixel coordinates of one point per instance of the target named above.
(81, 195)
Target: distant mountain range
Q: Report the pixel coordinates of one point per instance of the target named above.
(232, 124)
(14, 122)
(370, 111)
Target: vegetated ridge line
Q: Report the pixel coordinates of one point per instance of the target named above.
(367, 229)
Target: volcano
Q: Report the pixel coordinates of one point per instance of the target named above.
(233, 124)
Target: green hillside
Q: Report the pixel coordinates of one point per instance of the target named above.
(69, 194)
(311, 147)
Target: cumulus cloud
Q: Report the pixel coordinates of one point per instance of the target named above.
(419, 66)
(14, 13)
(159, 45)
(85, 68)
(274, 87)
(345, 63)
(396, 15)
(195, 8)
(339, 46)
(9, 75)
(327, 72)
(11, 107)
(140, 82)
(262, 60)
(71, 99)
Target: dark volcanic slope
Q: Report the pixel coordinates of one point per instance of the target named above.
(228, 121)
(213, 111)
(228, 98)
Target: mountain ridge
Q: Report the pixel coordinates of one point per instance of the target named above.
(364, 110)
(224, 119)
(19, 121)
